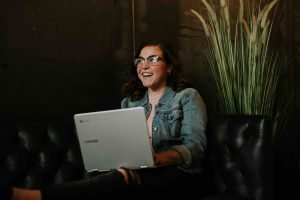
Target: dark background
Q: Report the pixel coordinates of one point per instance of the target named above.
(61, 57)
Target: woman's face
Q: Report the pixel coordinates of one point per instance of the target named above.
(153, 75)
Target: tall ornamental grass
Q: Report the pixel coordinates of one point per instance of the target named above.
(245, 68)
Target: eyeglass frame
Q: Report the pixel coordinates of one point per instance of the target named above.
(151, 62)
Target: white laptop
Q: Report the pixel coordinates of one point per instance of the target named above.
(114, 138)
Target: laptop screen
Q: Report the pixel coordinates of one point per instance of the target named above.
(114, 138)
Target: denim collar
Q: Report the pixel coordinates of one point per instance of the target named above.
(169, 93)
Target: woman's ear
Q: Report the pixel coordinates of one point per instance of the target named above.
(170, 68)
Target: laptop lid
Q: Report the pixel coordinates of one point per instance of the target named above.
(114, 138)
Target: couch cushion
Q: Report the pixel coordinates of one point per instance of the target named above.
(39, 152)
(241, 155)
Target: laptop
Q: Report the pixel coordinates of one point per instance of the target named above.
(114, 138)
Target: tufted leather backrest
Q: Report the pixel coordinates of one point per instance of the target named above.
(37, 152)
(240, 156)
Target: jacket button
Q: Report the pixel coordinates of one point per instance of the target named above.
(155, 128)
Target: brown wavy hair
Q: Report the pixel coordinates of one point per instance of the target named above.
(134, 88)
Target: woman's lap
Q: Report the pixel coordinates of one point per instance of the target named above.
(163, 178)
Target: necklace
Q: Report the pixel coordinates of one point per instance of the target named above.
(154, 99)
(154, 96)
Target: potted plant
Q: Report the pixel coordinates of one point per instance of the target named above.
(243, 64)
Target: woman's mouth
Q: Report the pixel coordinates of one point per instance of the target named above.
(147, 74)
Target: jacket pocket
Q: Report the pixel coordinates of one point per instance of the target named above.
(172, 119)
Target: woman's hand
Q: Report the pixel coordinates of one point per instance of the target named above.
(169, 157)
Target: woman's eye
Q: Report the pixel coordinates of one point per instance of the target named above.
(153, 60)
(138, 61)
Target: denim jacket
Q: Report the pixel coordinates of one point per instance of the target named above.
(179, 123)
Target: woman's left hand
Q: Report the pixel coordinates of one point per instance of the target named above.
(168, 157)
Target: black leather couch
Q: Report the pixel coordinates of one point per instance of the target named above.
(240, 160)
(239, 163)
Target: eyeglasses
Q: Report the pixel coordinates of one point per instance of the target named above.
(152, 60)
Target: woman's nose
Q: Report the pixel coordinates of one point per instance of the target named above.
(145, 65)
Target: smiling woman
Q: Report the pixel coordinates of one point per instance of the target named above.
(162, 53)
(176, 119)
(153, 74)
(176, 113)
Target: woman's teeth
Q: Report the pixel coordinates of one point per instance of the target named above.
(145, 74)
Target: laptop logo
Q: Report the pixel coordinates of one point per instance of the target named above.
(91, 141)
(84, 120)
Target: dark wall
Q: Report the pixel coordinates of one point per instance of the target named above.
(288, 150)
(60, 57)
(157, 19)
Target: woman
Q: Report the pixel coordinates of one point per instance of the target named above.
(176, 118)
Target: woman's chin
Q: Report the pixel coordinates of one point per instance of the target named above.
(147, 84)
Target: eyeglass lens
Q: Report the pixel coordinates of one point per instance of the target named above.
(152, 60)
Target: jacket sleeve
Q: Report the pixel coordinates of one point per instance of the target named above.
(193, 127)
